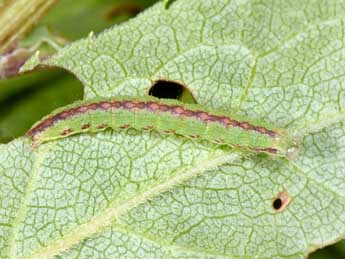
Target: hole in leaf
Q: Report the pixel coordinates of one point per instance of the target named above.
(281, 201)
(277, 204)
(171, 90)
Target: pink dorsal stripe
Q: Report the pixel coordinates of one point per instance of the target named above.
(151, 106)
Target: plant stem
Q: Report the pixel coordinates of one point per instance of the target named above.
(18, 16)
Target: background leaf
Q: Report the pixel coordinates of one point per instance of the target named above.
(136, 195)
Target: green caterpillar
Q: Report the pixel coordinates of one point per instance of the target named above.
(167, 117)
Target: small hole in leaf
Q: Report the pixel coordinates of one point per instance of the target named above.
(281, 201)
(171, 90)
(277, 204)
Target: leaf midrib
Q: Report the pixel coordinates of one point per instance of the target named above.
(105, 219)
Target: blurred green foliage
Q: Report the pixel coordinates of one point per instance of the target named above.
(336, 251)
(75, 19)
(31, 97)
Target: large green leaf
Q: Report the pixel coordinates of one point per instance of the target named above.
(131, 194)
